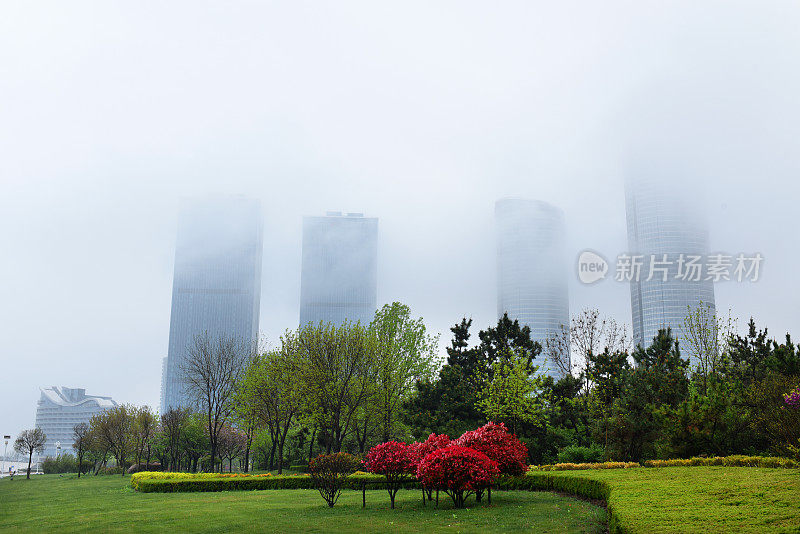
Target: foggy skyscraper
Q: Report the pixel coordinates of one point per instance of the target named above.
(217, 281)
(531, 268)
(339, 269)
(665, 222)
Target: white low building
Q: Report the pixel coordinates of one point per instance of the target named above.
(58, 411)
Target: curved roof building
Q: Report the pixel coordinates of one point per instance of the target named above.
(61, 408)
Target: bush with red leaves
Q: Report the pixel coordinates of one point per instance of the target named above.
(496, 442)
(459, 471)
(421, 449)
(392, 460)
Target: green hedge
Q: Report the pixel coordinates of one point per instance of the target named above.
(566, 483)
(216, 483)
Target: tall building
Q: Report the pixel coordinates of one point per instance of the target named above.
(666, 228)
(58, 411)
(216, 287)
(339, 277)
(532, 268)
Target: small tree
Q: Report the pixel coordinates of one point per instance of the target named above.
(459, 471)
(80, 437)
(231, 445)
(495, 441)
(513, 393)
(329, 471)
(28, 442)
(392, 460)
(114, 427)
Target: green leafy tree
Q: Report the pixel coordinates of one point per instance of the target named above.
(404, 354)
(513, 394)
(338, 374)
(271, 386)
(28, 442)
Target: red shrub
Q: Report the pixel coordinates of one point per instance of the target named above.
(420, 449)
(496, 442)
(459, 471)
(393, 460)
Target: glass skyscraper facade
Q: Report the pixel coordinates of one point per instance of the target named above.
(667, 228)
(216, 288)
(58, 411)
(339, 278)
(532, 268)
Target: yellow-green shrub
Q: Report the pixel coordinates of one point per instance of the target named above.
(728, 461)
(577, 467)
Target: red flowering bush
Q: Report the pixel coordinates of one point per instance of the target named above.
(495, 441)
(392, 460)
(420, 449)
(459, 471)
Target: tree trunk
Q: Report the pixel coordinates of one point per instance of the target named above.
(30, 459)
(311, 445)
(272, 455)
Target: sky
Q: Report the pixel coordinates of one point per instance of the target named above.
(422, 114)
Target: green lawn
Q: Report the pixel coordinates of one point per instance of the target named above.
(702, 499)
(106, 503)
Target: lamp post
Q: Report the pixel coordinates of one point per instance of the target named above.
(5, 451)
(58, 450)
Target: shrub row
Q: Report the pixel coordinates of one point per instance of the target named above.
(724, 461)
(149, 482)
(577, 467)
(571, 484)
(728, 461)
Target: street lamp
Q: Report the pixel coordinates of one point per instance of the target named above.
(5, 451)
(58, 450)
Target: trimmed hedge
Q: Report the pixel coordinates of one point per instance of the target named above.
(536, 478)
(153, 482)
(728, 461)
(577, 467)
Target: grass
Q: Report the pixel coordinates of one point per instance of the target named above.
(108, 504)
(641, 500)
(702, 499)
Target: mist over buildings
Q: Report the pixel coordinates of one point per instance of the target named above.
(421, 115)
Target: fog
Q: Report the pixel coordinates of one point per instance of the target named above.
(420, 114)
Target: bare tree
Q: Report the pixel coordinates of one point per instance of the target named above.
(557, 350)
(211, 370)
(588, 333)
(28, 442)
(707, 336)
(172, 426)
(231, 445)
(144, 427)
(80, 442)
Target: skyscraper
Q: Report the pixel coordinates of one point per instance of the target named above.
(339, 277)
(532, 269)
(217, 282)
(666, 229)
(58, 411)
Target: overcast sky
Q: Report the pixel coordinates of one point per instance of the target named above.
(419, 113)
